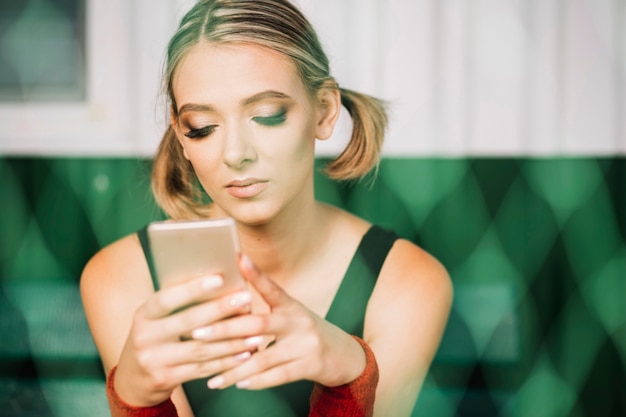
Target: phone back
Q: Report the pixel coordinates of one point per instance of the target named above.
(182, 250)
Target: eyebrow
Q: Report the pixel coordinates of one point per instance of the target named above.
(195, 107)
(264, 95)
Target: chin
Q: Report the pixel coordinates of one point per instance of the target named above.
(252, 214)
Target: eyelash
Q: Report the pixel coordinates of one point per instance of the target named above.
(200, 133)
(274, 120)
(269, 121)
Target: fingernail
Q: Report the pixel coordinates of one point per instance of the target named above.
(212, 282)
(245, 383)
(203, 333)
(216, 382)
(243, 356)
(240, 299)
(248, 262)
(253, 341)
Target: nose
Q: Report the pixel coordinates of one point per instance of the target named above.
(238, 148)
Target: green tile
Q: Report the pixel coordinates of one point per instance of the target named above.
(457, 223)
(527, 228)
(421, 183)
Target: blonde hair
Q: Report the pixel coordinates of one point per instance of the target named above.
(278, 25)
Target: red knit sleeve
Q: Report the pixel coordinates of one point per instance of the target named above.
(355, 399)
(120, 409)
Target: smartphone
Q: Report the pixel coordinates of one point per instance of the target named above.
(182, 250)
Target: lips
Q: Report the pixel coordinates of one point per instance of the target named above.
(246, 188)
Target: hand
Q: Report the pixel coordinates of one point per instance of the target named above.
(305, 346)
(159, 355)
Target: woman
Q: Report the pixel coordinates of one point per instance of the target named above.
(345, 318)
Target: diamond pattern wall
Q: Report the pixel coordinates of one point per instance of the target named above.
(535, 247)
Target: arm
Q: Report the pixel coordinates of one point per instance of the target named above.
(115, 284)
(355, 399)
(404, 323)
(412, 285)
(307, 347)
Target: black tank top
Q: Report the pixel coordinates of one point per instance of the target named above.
(347, 311)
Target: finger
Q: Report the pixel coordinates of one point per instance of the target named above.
(279, 375)
(193, 352)
(203, 369)
(273, 294)
(184, 361)
(261, 362)
(184, 322)
(168, 300)
(241, 326)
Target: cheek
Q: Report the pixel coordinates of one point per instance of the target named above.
(204, 164)
(293, 153)
(302, 143)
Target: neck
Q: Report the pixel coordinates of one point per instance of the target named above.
(283, 247)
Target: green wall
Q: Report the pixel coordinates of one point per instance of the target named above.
(535, 248)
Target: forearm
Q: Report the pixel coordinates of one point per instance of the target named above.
(355, 399)
(121, 409)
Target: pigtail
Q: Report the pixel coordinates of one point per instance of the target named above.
(362, 154)
(174, 182)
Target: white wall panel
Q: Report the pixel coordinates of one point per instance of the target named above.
(620, 75)
(451, 61)
(154, 25)
(408, 82)
(496, 76)
(463, 77)
(487, 77)
(543, 101)
(589, 65)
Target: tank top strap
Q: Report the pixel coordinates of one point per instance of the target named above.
(348, 307)
(142, 234)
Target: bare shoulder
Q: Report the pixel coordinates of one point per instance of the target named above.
(114, 283)
(410, 268)
(411, 281)
(407, 266)
(118, 266)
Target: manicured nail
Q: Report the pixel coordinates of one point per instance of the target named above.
(240, 299)
(212, 282)
(243, 384)
(248, 262)
(216, 382)
(253, 341)
(203, 333)
(243, 356)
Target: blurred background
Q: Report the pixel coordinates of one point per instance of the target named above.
(505, 159)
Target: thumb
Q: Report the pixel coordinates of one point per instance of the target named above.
(271, 292)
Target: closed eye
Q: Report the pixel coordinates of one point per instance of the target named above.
(273, 120)
(200, 133)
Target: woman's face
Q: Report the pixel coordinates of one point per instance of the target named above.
(248, 127)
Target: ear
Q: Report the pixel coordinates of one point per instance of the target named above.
(175, 128)
(329, 107)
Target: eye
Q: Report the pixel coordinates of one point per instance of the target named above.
(273, 120)
(200, 133)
